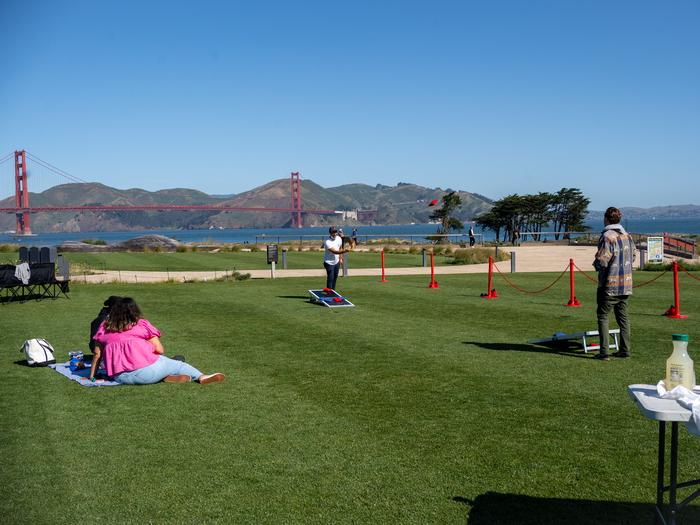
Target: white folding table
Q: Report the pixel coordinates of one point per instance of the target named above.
(652, 406)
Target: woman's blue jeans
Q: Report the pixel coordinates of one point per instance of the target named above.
(157, 372)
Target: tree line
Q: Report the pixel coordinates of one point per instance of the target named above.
(513, 215)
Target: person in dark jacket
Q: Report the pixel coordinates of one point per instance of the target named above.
(97, 321)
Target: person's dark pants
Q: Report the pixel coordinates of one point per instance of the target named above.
(617, 303)
(331, 274)
(472, 241)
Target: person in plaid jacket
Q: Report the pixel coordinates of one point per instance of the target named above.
(613, 262)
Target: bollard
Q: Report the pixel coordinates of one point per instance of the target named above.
(433, 282)
(272, 269)
(674, 312)
(572, 292)
(345, 265)
(512, 262)
(642, 258)
(491, 294)
(383, 274)
(423, 254)
(495, 254)
(284, 258)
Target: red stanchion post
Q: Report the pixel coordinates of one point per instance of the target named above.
(491, 294)
(572, 295)
(433, 282)
(383, 274)
(675, 311)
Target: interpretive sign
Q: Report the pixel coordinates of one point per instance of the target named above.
(655, 249)
(271, 253)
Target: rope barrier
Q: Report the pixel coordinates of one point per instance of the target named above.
(592, 279)
(651, 280)
(689, 274)
(633, 286)
(530, 291)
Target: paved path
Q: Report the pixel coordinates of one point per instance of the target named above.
(531, 258)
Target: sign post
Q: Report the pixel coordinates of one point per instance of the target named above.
(272, 254)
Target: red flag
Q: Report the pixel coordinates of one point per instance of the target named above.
(433, 202)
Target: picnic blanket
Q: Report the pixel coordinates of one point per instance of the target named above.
(81, 376)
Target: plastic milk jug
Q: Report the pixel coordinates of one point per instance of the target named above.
(679, 367)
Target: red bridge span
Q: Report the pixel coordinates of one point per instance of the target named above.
(23, 210)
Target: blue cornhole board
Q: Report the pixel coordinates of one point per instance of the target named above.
(328, 299)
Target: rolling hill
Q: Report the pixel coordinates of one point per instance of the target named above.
(400, 204)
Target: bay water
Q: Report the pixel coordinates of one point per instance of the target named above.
(414, 232)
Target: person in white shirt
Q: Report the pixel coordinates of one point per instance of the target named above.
(331, 256)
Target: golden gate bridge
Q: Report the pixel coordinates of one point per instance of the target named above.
(23, 210)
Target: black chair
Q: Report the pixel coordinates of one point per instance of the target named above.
(33, 255)
(23, 254)
(45, 255)
(63, 270)
(10, 286)
(42, 273)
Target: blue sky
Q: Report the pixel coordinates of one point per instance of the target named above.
(491, 97)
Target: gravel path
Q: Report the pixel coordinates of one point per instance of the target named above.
(537, 258)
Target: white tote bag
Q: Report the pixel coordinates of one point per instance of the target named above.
(38, 352)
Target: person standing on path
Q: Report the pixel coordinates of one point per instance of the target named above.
(331, 256)
(472, 237)
(613, 262)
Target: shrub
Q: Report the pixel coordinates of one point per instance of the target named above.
(8, 248)
(661, 267)
(95, 242)
(181, 249)
(477, 256)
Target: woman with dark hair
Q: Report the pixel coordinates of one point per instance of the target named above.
(132, 353)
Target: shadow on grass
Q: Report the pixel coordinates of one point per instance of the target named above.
(569, 349)
(293, 297)
(507, 509)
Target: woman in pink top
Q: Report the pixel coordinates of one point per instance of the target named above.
(130, 348)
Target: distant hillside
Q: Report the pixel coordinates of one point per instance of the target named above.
(99, 194)
(406, 203)
(682, 211)
(400, 204)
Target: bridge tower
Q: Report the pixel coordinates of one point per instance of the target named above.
(296, 200)
(21, 193)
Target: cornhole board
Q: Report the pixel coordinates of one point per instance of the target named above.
(584, 337)
(329, 299)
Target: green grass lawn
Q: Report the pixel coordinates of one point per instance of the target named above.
(202, 261)
(417, 406)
